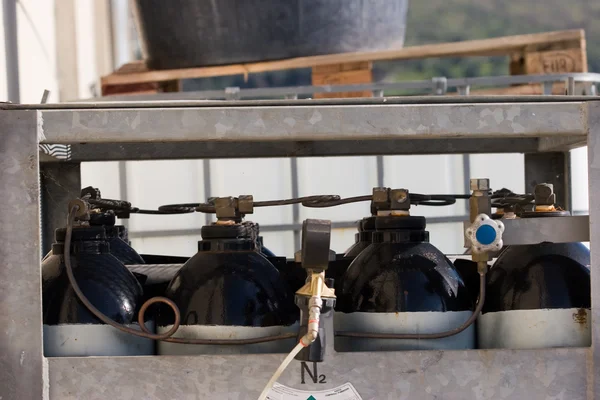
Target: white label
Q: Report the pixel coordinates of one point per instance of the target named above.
(343, 392)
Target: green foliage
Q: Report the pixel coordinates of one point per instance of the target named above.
(436, 21)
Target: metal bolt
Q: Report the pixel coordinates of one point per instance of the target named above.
(399, 199)
(400, 195)
(480, 184)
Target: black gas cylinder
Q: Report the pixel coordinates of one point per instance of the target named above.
(229, 290)
(70, 329)
(363, 238)
(402, 284)
(117, 237)
(263, 250)
(538, 296)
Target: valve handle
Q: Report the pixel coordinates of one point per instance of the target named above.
(485, 234)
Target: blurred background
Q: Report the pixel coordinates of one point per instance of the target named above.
(66, 45)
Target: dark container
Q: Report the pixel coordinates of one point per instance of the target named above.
(538, 296)
(229, 286)
(117, 237)
(539, 276)
(105, 281)
(398, 282)
(70, 329)
(402, 272)
(265, 252)
(189, 33)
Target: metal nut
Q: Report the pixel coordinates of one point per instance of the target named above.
(544, 189)
(380, 195)
(544, 194)
(225, 207)
(480, 184)
(246, 204)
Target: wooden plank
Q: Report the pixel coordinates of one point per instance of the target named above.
(343, 74)
(331, 68)
(517, 64)
(142, 88)
(133, 67)
(555, 62)
(483, 47)
(133, 88)
(583, 47)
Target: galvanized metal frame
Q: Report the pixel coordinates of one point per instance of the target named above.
(25, 374)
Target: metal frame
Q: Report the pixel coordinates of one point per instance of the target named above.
(449, 124)
(575, 83)
(110, 151)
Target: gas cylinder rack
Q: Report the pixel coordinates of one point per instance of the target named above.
(544, 128)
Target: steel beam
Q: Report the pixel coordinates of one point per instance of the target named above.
(349, 122)
(21, 360)
(452, 375)
(322, 148)
(594, 197)
(60, 183)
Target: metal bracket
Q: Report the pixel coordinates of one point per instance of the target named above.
(440, 85)
(232, 93)
(521, 231)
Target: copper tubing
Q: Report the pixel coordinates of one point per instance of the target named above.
(419, 336)
(145, 333)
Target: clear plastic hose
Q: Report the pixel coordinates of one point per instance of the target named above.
(280, 370)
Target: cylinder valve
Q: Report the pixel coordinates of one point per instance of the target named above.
(485, 234)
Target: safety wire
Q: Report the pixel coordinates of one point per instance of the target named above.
(123, 206)
(320, 201)
(507, 198)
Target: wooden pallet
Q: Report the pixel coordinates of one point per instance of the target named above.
(539, 53)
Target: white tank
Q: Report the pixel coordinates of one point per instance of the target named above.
(81, 340)
(534, 329)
